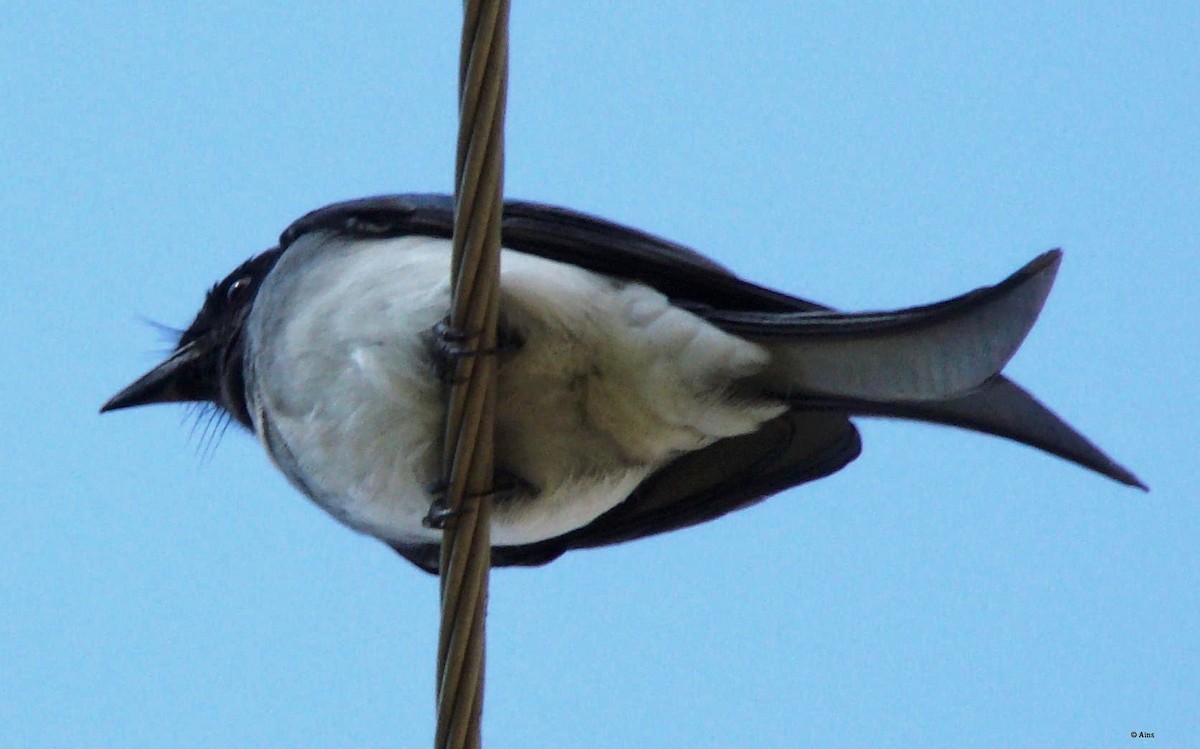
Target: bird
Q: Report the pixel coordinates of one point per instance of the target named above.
(641, 387)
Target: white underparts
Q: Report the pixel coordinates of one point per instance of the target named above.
(608, 383)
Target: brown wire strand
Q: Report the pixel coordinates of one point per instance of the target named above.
(468, 461)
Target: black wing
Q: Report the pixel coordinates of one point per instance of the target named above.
(686, 276)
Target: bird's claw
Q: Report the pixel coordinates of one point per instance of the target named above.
(506, 485)
(439, 512)
(447, 344)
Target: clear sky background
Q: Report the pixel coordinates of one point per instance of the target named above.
(164, 589)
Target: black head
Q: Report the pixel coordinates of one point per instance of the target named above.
(206, 364)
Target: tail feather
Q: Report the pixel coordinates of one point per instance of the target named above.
(938, 363)
(920, 354)
(1003, 408)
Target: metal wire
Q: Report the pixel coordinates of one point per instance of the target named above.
(468, 455)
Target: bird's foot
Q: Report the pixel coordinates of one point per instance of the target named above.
(439, 512)
(506, 486)
(447, 345)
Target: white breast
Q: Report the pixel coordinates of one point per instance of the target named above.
(610, 382)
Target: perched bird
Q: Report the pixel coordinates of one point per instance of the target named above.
(642, 387)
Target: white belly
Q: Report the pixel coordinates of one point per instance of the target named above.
(609, 383)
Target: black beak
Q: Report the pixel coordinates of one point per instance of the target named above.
(166, 383)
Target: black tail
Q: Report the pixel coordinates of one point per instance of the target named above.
(999, 407)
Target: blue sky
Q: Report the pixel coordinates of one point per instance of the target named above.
(947, 589)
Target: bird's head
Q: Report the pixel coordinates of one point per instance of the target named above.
(206, 364)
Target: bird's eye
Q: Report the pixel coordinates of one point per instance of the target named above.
(238, 289)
